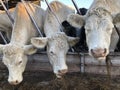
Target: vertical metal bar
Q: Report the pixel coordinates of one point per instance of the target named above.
(61, 28)
(11, 19)
(76, 7)
(82, 60)
(32, 19)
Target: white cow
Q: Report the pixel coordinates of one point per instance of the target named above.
(101, 37)
(57, 42)
(15, 53)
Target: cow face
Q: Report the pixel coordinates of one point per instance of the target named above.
(98, 36)
(15, 58)
(57, 47)
(99, 31)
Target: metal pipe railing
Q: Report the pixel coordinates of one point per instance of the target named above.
(7, 5)
(5, 41)
(74, 3)
(10, 17)
(61, 28)
(117, 31)
(32, 19)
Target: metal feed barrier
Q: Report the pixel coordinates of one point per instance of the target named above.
(81, 62)
(76, 63)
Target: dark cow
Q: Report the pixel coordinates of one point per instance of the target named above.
(77, 32)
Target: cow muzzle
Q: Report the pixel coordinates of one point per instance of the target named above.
(16, 82)
(61, 73)
(99, 53)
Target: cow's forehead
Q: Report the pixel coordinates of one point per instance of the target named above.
(12, 54)
(94, 21)
(98, 14)
(99, 11)
(57, 35)
(13, 49)
(58, 40)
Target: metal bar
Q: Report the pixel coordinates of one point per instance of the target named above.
(32, 19)
(82, 63)
(108, 66)
(6, 2)
(3, 38)
(117, 31)
(61, 28)
(74, 3)
(76, 7)
(11, 19)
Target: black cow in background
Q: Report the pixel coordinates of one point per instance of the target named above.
(77, 32)
(118, 46)
(4, 36)
(83, 11)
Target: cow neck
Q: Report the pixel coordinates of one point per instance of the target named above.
(19, 36)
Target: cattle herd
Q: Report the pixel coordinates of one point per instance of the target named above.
(62, 29)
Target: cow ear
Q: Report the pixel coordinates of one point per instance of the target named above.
(72, 40)
(39, 42)
(30, 49)
(1, 48)
(116, 18)
(76, 20)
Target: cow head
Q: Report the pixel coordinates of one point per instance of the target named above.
(15, 59)
(99, 26)
(57, 47)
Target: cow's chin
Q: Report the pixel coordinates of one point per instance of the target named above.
(58, 76)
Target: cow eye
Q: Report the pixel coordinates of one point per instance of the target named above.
(4, 62)
(109, 30)
(20, 62)
(88, 30)
(52, 53)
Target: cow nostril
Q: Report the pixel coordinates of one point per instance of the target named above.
(105, 50)
(62, 71)
(16, 81)
(92, 51)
